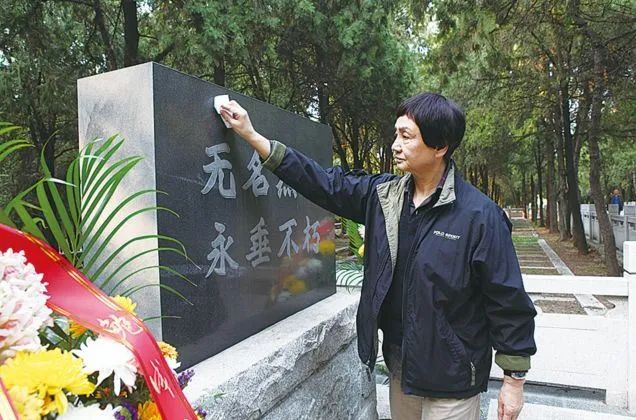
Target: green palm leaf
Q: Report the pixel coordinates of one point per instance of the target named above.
(172, 271)
(135, 289)
(349, 274)
(355, 239)
(77, 214)
(8, 147)
(95, 256)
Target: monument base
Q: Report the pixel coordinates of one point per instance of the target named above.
(304, 367)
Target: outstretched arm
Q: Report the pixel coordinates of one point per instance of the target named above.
(335, 190)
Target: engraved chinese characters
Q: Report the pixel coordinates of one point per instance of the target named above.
(219, 254)
(260, 244)
(259, 251)
(216, 170)
(257, 181)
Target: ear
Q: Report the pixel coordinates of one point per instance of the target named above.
(439, 153)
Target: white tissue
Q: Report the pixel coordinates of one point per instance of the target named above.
(221, 100)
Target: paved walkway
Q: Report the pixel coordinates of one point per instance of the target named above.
(537, 257)
(541, 403)
(558, 403)
(532, 256)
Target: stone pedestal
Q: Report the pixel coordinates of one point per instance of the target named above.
(303, 367)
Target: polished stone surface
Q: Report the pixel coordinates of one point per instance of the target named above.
(258, 251)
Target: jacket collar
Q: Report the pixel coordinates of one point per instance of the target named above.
(447, 195)
(391, 198)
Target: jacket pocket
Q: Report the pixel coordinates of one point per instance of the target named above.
(438, 361)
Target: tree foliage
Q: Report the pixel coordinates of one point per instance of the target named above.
(547, 85)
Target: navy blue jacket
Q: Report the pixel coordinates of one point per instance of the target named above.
(463, 294)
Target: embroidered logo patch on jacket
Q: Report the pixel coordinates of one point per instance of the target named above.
(446, 235)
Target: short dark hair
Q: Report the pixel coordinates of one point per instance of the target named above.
(440, 120)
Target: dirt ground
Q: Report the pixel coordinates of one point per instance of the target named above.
(582, 265)
(548, 304)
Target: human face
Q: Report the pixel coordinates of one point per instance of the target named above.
(410, 152)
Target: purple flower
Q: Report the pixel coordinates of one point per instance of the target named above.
(201, 412)
(185, 377)
(127, 411)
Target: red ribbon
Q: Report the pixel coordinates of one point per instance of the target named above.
(74, 296)
(7, 410)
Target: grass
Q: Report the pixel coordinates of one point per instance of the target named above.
(524, 240)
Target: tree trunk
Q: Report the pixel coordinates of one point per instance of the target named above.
(386, 159)
(342, 154)
(219, 72)
(484, 179)
(324, 111)
(539, 162)
(100, 22)
(131, 32)
(562, 191)
(580, 130)
(594, 134)
(533, 195)
(573, 201)
(605, 225)
(550, 188)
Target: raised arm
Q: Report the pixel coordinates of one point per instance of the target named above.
(342, 193)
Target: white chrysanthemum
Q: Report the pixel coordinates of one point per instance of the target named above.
(23, 310)
(109, 357)
(92, 412)
(172, 363)
(361, 231)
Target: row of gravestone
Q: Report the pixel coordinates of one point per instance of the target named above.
(628, 209)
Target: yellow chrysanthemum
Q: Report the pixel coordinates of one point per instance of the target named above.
(327, 247)
(167, 350)
(28, 405)
(361, 251)
(126, 303)
(297, 287)
(50, 374)
(289, 280)
(148, 411)
(76, 329)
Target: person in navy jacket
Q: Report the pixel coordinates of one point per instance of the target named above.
(441, 277)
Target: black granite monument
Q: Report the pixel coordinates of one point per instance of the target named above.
(261, 251)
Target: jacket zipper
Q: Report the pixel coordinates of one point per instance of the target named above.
(473, 374)
(386, 257)
(406, 284)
